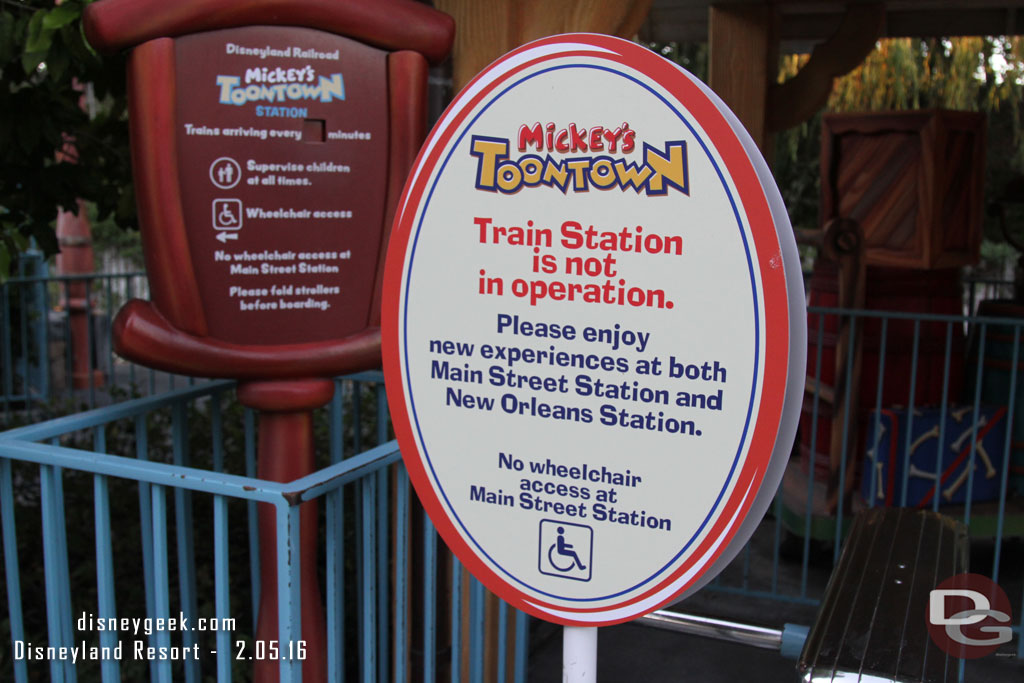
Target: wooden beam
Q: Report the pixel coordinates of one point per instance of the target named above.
(742, 61)
(485, 31)
(800, 98)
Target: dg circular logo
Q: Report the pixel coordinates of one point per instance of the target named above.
(969, 616)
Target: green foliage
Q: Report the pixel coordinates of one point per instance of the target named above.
(108, 235)
(973, 73)
(690, 56)
(798, 172)
(952, 73)
(57, 95)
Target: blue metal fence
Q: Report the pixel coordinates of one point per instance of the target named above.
(398, 606)
(53, 352)
(381, 625)
(960, 378)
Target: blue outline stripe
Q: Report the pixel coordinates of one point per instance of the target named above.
(757, 330)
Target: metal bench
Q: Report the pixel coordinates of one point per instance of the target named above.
(871, 625)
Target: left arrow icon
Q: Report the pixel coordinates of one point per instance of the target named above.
(225, 236)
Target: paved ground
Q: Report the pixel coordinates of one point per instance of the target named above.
(632, 652)
(637, 654)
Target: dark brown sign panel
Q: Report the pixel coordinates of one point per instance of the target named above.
(282, 142)
(268, 154)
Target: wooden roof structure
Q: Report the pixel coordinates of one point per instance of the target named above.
(804, 22)
(745, 38)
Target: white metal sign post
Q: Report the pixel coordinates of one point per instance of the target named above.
(593, 332)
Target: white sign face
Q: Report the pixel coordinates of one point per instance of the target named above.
(593, 362)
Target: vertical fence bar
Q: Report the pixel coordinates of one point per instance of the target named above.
(942, 414)
(162, 579)
(522, 646)
(64, 577)
(429, 600)
(812, 457)
(363, 578)
(69, 363)
(146, 532)
(105, 573)
(1007, 457)
(185, 538)
(11, 571)
(90, 342)
(111, 378)
(476, 630)
(502, 640)
(456, 664)
(873, 448)
(110, 668)
(57, 612)
(289, 589)
(368, 632)
(401, 572)
(383, 500)
(976, 412)
(129, 293)
(222, 574)
(25, 371)
(336, 547)
(911, 402)
(44, 295)
(845, 449)
(249, 424)
(357, 416)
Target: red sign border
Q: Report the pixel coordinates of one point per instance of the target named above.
(774, 288)
(170, 333)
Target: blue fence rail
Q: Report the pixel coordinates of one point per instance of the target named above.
(55, 342)
(929, 385)
(388, 597)
(186, 461)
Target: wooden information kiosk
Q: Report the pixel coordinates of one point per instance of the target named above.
(270, 142)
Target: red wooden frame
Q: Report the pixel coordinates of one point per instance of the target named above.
(113, 25)
(170, 332)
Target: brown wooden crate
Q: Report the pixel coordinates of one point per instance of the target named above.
(913, 180)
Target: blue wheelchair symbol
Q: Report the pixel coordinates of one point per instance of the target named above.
(566, 550)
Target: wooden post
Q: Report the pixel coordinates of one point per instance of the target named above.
(743, 63)
(487, 30)
(844, 244)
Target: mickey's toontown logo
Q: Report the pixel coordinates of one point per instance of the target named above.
(600, 160)
(264, 84)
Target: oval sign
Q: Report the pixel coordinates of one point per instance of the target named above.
(593, 330)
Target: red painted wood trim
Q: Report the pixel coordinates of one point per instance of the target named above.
(144, 336)
(407, 95)
(284, 395)
(152, 84)
(112, 25)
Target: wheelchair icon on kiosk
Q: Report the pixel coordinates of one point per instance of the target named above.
(566, 550)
